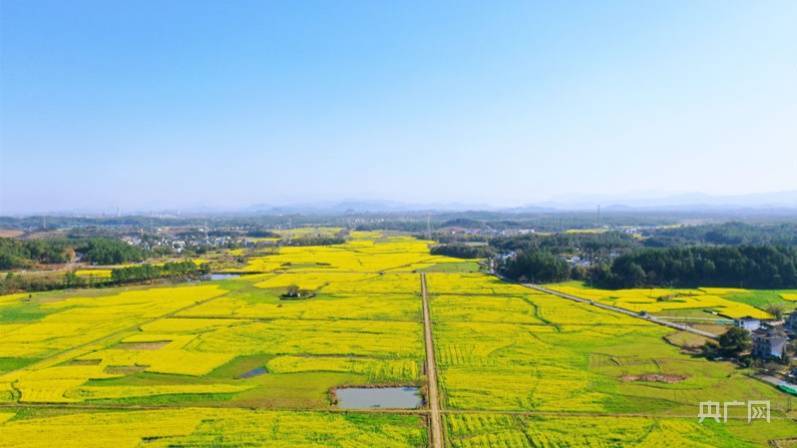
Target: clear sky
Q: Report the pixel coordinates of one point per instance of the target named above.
(156, 104)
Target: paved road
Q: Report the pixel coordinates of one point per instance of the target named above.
(646, 317)
(436, 425)
(773, 380)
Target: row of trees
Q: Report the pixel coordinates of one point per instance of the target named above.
(150, 271)
(744, 266)
(14, 282)
(462, 250)
(317, 240)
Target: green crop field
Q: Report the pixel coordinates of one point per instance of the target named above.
(236, 362)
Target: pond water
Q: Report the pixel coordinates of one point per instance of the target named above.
(221, 276)
(253, 372)
(379, 397)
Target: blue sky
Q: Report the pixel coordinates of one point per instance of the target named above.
(147, 105)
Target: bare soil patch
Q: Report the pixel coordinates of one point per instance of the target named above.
(124, 370)
(10, 233)
(150, 345)
(83, 362)
(654, 378)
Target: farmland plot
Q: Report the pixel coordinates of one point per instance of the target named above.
(569, 374)
(238, 362)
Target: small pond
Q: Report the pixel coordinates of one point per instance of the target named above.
(379, 397)
(254, 372)
(220, 276)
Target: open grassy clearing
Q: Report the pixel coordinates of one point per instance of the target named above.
(549, 355)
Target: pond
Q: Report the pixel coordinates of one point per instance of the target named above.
(220, 276)
(254, 372)
(379, 397)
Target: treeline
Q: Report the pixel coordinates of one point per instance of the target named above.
(109, 251)
(319, 240)
(462, 250)
(743, 267)
(12, 282)
(262, 233)
(31, 282)
(16, 254)
(535, 266)
(727, 234)
(150, 271)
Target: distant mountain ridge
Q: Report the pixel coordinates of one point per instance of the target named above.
(641, 202)
(780, 202)
(681, 201)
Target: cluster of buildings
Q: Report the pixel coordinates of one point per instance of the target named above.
(770, 338)
(178, 242)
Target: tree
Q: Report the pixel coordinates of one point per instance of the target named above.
(734, 342)
(776, 311)
(537, 266)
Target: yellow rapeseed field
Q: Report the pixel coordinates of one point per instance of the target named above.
(234, 363)
(659, 300)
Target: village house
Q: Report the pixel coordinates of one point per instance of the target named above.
(791, 323)
(769, 342)
(748, 323)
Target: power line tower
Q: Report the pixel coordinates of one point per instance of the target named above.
(598, 215)
(428, 227)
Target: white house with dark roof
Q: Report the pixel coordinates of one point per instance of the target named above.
(770, 342)
(750, 324)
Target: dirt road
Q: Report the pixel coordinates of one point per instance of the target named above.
(435, 421)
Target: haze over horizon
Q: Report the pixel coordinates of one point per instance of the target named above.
(152, 105)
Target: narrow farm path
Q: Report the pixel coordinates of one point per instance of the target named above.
(435, 421)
